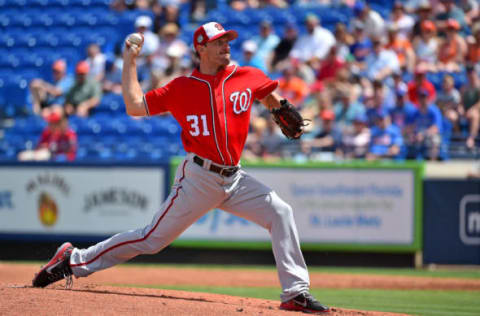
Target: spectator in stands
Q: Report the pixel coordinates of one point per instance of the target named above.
(166, 11)
(151, 43)
(58, 142)
(344, 41)
(173, 70)
(374, 23)
(346, 109)
(473, 49)
(385, 139)
(403, 113)
(401, 21)
(424, 135)
(451, 11)
(282, 50)
(265, 140)
(47, 96)
(449, 102)
(292, 87)
(361, 47)
(356, 140)
(318, 101)
(452, 49)
(249, 58)
(96, 61)
(266, 43)
(315, 45)
(426, 46)
(327, 140)
(470, 9)
(330, 66)
(112, 81)
(402, 47)
(470, 109)
(169, 37)
(423, 12)
(85, 94)
(420, 82)
(381, 101)
(381, 63)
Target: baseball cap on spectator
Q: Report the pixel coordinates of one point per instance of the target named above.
(211, 31)
(53, 118)
(424, 5)
(59, 65)
(453, 24)
(327, 115)
(358, 7)
(249, 46)
(143, 21)
(312, 17)
(428, 25)
(82, 68)
(170, 29)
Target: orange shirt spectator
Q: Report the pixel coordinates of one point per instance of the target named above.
(402, 47)
(292, 87)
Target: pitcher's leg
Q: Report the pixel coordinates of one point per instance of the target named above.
(185, 204)
(256, 202)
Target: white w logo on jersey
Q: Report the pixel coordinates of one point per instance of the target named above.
(241, 101)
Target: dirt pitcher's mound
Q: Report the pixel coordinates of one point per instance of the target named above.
(105, 300)
(95, 295)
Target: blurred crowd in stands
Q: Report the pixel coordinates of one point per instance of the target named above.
(400, 85)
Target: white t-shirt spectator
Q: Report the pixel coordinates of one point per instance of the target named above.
(317, 45)
(376, 63)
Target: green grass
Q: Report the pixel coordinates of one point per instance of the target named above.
(454, 272)
(414, 302)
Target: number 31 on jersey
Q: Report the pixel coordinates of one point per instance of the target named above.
(194, 125)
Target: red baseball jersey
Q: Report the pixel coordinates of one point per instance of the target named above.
(213, 111)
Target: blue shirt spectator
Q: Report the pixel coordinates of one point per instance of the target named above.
(424, 135)
(362, 45)
(346, 110)
(381, 63)
(385, 140)
(250, 58)
(428, 117)
(266, 42)
(404, 112)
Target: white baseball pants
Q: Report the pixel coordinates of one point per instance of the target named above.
(195, 192)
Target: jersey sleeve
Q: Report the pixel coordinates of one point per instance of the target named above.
(264, 85)
(160, 100)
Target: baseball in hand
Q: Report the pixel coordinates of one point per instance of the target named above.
(135, 39)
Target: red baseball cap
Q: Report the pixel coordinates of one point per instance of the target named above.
(82, 67)
(53, 117)
(211, 31)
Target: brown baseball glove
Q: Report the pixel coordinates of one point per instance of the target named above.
(290, 121)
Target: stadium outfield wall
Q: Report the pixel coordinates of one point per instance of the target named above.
(338, 207)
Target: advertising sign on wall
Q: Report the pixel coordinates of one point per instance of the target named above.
(80, 200)
(335, 206)
(452, 221)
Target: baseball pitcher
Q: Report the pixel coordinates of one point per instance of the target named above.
(213, 106)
